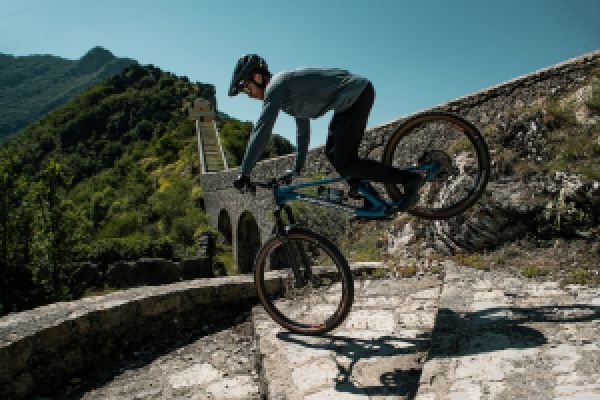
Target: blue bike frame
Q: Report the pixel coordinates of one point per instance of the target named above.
(381, 208)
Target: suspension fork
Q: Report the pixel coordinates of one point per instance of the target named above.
(301, 275)
(280, 227)
(306, 262)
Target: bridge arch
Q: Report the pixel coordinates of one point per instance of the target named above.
(224, 226)
(248, 242)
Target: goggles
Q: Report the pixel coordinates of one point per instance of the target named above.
(243, 87)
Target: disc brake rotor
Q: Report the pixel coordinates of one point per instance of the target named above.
(442, 161)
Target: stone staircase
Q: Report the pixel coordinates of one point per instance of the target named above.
(469, 335)
(213, 155)
(377, 352)
(479, 335)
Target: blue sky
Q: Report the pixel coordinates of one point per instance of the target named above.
(417, 53)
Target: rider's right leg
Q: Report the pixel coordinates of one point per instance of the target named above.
(345, 134)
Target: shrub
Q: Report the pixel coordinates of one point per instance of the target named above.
(578, 276)
(593, 102)
(182, 230)
(476, 261)
(531, 271)
(559, 115)
(408, 271)
(122, 224)
(106, 251)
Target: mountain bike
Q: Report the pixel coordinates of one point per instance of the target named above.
(315, 287)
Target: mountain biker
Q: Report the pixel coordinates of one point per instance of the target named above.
(307, 93)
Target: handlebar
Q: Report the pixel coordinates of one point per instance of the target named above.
(270, 184)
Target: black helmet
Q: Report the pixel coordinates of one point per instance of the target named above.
(245, 67)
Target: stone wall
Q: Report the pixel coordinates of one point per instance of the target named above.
(145, 271)
(496, 106)
(41, 349)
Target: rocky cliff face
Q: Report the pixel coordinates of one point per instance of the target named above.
(544, 137)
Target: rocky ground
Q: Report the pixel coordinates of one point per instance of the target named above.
(554, 260)
(501, 337)
(459, 333)
(494, 337)
(218, 363)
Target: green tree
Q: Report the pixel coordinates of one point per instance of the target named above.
(6, 190)
(61, 225)
(235, 139)
(171, 202)
(16, 230)
(281, 145)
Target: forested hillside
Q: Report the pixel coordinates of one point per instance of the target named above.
(112, 174)
(31, 86)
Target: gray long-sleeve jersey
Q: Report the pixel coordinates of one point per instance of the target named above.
(303, 93)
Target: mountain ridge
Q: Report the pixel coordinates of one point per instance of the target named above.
(31, 86)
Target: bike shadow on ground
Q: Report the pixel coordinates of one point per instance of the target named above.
(454, 335)
(350, 351)
(500, 328)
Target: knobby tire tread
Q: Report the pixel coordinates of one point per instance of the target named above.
(471, 132)
(333, 252)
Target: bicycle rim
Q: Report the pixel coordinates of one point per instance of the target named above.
(459, 153)
(317, 289)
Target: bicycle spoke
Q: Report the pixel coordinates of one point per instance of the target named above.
(315, 289)
(455, 148)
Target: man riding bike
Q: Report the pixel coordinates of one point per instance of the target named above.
(307, 93)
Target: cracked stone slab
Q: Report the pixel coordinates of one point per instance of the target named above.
(376, 353)
(501, 337)
(219, 365)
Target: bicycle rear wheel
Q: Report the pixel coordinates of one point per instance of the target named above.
(317, 287)
(458, 155)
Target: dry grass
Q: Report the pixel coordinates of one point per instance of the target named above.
(533, 271)
(407, 271)
(474, 260)
(593, 102)
(566, 261)
(559, 115)
(578, 276)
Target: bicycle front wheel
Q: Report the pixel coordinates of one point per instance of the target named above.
(317, 287)
(451, 151)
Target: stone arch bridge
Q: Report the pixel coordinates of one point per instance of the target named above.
(246, 221)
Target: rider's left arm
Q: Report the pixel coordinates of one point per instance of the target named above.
(262, 130)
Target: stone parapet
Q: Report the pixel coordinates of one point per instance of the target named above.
(42, 348)
(145, 271)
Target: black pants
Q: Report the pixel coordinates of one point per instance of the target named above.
(345, 133)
